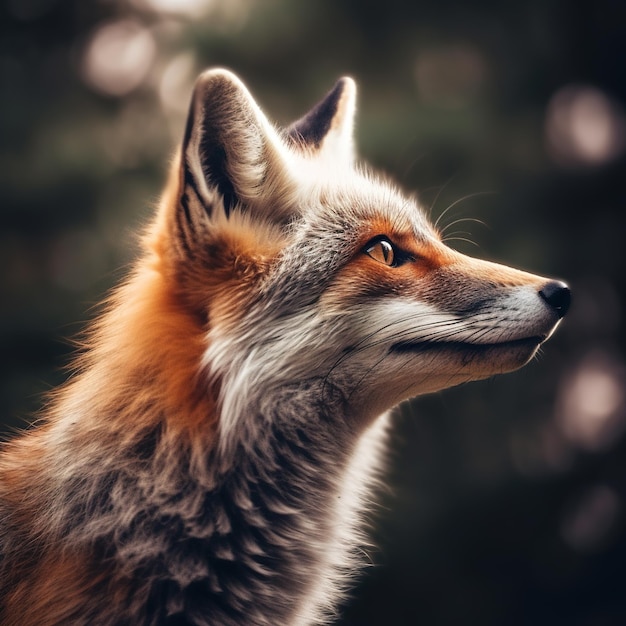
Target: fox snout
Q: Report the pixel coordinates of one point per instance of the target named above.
(556, 294)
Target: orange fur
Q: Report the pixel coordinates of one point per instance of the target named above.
(257, 302)
(58, 588)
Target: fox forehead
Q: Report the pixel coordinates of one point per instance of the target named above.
(370, 203)
(246, 184)
(333, 222)
(356, 209)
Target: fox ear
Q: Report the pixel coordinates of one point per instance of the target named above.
(327, 129)
(231, 154)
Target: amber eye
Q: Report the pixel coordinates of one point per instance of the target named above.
(382, 251)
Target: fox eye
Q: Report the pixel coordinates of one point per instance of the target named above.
(383, 251)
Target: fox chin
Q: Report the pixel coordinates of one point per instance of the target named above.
(210, 460)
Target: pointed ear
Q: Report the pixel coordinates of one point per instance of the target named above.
(327, 129)
(231, 154)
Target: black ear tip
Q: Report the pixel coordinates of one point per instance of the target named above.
(344, 88)
(311, 129)
(346, 83)
(557, 295)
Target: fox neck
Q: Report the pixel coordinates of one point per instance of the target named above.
(275, 504)
(272, 528)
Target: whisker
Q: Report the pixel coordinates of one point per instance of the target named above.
(471, 196)
(468, 196)
(470, 241)
(364, 345)
(459, 221)
(366, 374)
(434, 203)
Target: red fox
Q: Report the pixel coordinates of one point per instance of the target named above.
(208, 462)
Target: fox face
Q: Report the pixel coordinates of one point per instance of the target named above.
(306, 266)
(210, 459)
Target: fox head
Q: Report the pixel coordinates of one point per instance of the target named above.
(304, 268)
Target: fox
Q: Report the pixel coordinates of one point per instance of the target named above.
(212, 456)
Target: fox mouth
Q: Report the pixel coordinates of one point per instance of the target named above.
(529, 343)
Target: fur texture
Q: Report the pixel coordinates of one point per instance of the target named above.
(208, 462)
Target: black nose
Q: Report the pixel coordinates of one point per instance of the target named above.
(557, 295)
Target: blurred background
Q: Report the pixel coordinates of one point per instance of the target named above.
(508, 500)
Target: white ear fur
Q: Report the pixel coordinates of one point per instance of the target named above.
(327, 129)
(229, 149)
(233, 157)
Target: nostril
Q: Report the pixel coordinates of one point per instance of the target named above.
(557, 294)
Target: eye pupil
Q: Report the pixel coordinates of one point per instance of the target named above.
(382, 251)
(387, 251)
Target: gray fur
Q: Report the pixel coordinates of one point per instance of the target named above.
(257, 518)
